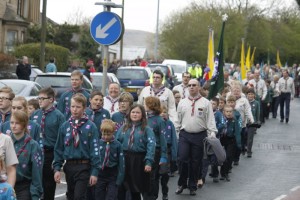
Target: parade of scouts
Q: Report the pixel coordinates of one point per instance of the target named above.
(197, 135)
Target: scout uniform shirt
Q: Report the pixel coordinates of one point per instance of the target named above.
(166, 98)
(97, 116)
(111, 155)
(143, 141)
(233, 128)
(65, 101)
(119, 118)
(83, 147)
(5, 117)
(183, 90)
(30, 164)
(156, 123)
(195, 116)
(220, 122)
(33, 128)
(287, 85)
(260, 87)
(171, 138)
(53, 121)
(255, 109)
(7, 150)
(110, 104)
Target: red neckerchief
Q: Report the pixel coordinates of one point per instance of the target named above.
(75, 128)
(193, 103)
(183, 90)
(4, 115)
(113, 102)
(45, 112)
(160, 91)
(94, 111)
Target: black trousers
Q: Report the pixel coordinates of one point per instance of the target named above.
(77, 177)
(190, 155)
(230, 147)
(238, 151)
(49, 185)
(106, 187)
(285, 99)
(275, 103)
(22, 190)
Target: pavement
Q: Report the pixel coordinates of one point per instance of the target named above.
(273, 172)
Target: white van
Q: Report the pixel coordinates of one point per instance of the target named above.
(178, 66)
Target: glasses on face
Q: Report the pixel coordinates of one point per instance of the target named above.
(4, 98)
(43, 98)
(192, 85)
(156, 77)
(177, 97)
(186, 77)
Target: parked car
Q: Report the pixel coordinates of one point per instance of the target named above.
(34, 72)
(179, 66)
(60, 82)
(98, 77)
(27, 89)
(171, 79)
(8, 75)
(133, 79)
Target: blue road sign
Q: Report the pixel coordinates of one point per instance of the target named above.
(107, 28)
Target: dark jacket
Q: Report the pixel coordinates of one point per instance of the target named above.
(23, 71)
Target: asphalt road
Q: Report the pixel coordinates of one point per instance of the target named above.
(273, 172)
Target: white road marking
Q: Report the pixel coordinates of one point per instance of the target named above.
(60, 195)
(295, 188)
(280, 197)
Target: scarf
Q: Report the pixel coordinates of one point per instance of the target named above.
(183, 90)
(157, 92)
(76, 124)
(107, 154)
(4, 115)
(44, 113)
(131, 136)
(193, 103)
(113, 102)
(150, 114)
(94, 112)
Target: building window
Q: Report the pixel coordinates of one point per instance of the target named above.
(11, 40)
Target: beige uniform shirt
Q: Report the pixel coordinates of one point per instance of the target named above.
(260, 88)
(287, 86)
(183, 91)
(275, 87)
(110, 106)
(202, 119)
(243, 106)
(7, 150)
(166, 98)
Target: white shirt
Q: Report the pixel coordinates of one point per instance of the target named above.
(260, 88)
(275, 87)
(243, 106)
(166, 98)
(202, 119)
(286, 85)
(110, 104)
(183, 90)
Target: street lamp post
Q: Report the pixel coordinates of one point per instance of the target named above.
(156, 35)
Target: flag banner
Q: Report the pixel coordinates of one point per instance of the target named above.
(252, 57)
(278, 60)
(211, 52)
(248, 59)
(217, 80)
(243, 70)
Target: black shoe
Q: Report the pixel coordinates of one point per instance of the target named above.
(165, 197)
(236, 163)
(227, 178)
(192, 192)
(222, 177)
(249, 155)
(286, 120)
(215, 180)
(180, 189)
(281, 120)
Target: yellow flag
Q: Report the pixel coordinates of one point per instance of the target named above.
(210, 54)
(278, 60)
(243, 70)
(248, 61)
(252, 57)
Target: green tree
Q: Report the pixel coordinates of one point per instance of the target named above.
(88, 48)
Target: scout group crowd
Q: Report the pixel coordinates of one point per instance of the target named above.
(112, 148)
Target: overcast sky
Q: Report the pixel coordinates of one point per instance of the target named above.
(138, 14)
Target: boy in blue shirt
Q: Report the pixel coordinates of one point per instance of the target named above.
(112, 166)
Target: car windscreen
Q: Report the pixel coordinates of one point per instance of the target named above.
(53, 81)
(17, 87)
(97, 80)
(161, 68)
(132, 74)
(178, 68)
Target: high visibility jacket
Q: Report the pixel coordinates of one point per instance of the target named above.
(194, 72)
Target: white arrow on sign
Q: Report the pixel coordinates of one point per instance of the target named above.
(100, 32)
